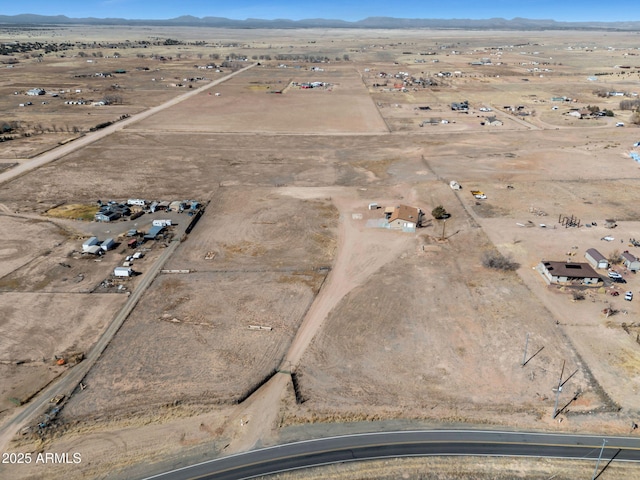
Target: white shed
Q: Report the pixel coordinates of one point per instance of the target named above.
(630, 261)
(596, 259)
(122, 272)
(95, 250)
(108, 244)
(90, 242)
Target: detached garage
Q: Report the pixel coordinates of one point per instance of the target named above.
(596, 259)
(630, 261)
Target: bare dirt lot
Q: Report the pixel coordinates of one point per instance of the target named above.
(374, 324)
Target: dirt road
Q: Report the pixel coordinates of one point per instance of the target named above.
(68, 383)
(90, 138)
(360, 254)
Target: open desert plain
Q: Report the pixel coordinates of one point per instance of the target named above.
(297, 285)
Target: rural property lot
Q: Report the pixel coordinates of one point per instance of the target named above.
(249, 103)
(374, 324)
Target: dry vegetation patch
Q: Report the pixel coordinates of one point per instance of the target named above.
(422, 330)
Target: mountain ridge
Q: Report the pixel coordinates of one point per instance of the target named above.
(517, 23)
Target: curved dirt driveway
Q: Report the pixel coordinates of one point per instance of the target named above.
(360, 254)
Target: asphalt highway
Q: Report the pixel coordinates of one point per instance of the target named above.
(370, 446)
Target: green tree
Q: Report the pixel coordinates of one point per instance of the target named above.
(439, 213)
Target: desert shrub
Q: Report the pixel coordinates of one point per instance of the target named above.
(495, 260)
(578, 295)
(614, 258)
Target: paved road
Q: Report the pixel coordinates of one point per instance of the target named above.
(412, 443)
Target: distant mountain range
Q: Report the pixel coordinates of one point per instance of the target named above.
(371, 22)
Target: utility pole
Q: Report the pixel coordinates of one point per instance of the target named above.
(558, 390)
(524, 357)
(595, 472)
(444, 224)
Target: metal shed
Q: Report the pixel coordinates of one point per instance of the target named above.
(122, 272)
(108, 244)
(89, 243)
(596, 259)
(630, 261)
(154, 232)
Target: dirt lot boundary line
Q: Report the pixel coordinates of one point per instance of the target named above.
(69, 382)
(67, 148)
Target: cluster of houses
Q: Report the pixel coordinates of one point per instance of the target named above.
(585, 113)
(583, 273)
(305, 85)
(135, 207)
(112, 211)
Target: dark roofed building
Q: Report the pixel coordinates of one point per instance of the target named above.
(568, 273)
(154, 232)
(596, 259)
(630, 261)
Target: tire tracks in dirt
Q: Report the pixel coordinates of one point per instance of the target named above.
(256, 419)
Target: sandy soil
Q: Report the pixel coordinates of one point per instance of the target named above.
(405, 327)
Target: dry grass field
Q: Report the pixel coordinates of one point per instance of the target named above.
(375, 324)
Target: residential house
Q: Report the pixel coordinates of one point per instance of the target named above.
(405, 218)
(569, 273)
(107, 216)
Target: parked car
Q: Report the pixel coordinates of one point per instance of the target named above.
(628, 296)
(614, 275)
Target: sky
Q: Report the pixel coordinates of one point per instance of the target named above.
(560, 10)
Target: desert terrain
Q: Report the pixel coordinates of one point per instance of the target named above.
(284, 312)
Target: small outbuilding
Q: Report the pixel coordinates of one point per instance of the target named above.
(108, 244)
(154, 232)
(90, 242)
(123, 272)
(95, 250)
(596, 259)
(630, 261)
